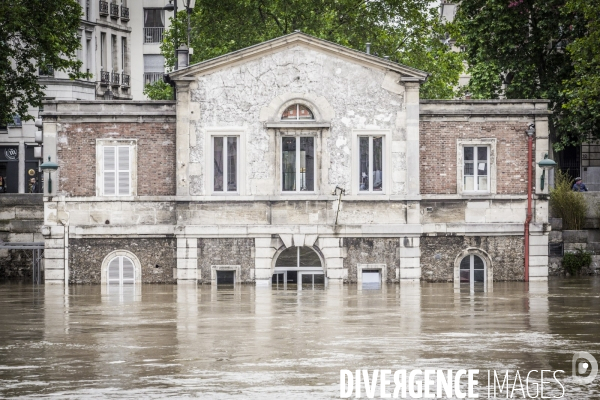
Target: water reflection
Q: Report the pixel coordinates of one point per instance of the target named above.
(246, 342)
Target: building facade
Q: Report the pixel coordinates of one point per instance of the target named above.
(296, 163)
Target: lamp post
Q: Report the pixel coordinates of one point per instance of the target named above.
(172, 6)
(545, 164)
(50, 167)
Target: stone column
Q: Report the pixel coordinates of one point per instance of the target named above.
(182, 157)
(410, 259)
(54, 251)
(264, 250)
(538, 255)
(412, 136)
(187, 261)
(334, 252)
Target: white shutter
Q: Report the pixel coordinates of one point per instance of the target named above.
(114, 271)
(128, 271)
(109, 164)
(124, 173)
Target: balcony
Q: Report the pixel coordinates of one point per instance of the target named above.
(103, 6)
(151, 77)
(124, 13)
(153, 35)
(114, 10)
(115, 78)
(104, 78)
(124, 80)
(46, 70)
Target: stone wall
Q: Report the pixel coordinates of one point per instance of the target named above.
(226, 252)
(439, 252)
(372, 251)
(438, 153)
(157, 257)
(76, 151)
(21, 217)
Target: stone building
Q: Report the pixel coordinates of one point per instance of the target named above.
(294, 161)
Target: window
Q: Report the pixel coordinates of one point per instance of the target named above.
(476, 168)
(121, 271)
(370, 163)
(298, 164)
(225, 165)
(472, 269)
(103, 59)
(154, 67)
(123, 53)
(154, 25)
(116, 168)
(297, 112)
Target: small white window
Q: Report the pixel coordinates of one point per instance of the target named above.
(371, 162)
(120, 271)
(297, 112)
(225, 163)
(116, 168)
(298, 164)
(476, 169)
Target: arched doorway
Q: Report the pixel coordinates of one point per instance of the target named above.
(298, 268)
(472, 269)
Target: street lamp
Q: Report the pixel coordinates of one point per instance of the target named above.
(545, 164)
(50, 167)
(172, 6)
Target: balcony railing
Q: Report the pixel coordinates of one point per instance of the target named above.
(124, 80)
(124, 13)
(104, 78)
(114, 79)
(103, 7)
(46, 70)
(151, 77)
(114, 10)
(153, 35)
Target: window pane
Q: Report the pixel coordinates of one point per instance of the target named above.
(478, 275)
(110, 180)
(465, 275)
(288, 258)
(469, 183)
(477, 262)
(304, 113)
(307, 164)
(218, 164)
(482, 153)
(468, 168)
(309, 258)
(288, 163)
(465, 263)
(290, 112)
(377, 163)
(307, 278)
(468, 153)
(364, 163)
(232, 164)
(482, 183)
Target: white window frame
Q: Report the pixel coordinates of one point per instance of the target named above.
(297, 191)
(490, 143)
(225, 170)
(208, 171)
(137, 266)
(386, 154)
(101, 144)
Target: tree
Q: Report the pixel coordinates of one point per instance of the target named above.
(518, 49)
(158, 90)
(408, 31)
(35, 33)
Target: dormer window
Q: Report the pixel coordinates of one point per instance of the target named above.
(297, 112)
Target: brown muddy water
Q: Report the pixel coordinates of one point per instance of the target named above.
(245, 342)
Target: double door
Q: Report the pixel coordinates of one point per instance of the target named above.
(299, 279)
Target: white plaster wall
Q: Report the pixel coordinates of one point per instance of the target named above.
(234, 97)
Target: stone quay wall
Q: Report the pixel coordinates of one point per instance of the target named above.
(231, 252)
(372, 251)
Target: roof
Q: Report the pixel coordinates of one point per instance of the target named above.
(303, 39)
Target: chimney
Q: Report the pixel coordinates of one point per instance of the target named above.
(183, 56)
(368, 48)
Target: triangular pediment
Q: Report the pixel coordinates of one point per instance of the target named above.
(292, 40)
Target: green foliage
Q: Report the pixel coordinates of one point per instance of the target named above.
(32, 33)
(516, 49)
(408, 31)
(574, 262)
(159, 90)
(567, 204)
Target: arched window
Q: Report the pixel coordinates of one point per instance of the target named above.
(120, 271)
(297, 112)
(472, 269)
(298, 268)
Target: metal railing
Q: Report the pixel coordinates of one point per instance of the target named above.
(153, 35)
(124, 13)
(46, 70)
(114, 10)
(124, 80)
(103, 7)
(151, 77)
(115, 78)
(104, 77)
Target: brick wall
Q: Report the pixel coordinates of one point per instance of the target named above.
(438, 154)
(76, 152)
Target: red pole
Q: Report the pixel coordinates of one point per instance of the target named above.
(528, 219)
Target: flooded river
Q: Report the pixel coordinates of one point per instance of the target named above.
(246, 342)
